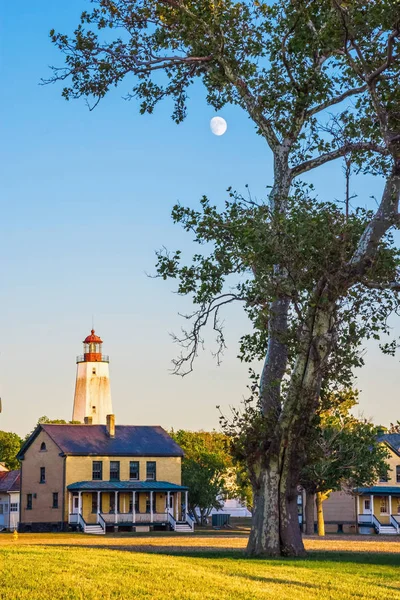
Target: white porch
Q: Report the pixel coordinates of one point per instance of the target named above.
(128, 508)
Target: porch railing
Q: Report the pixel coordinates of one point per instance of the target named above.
(73, 518)
(365, 519)
(376, 523)
(102, 522)
(395, 523)
(113, 519)
(190, 521)
(172, 521)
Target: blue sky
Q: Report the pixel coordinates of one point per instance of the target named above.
(86, 200)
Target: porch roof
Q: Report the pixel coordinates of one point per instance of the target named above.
(380, 490)
(125, 486)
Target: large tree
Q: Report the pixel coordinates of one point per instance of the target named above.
(206, 470)
(292, 66)
(345, 453)
(10, 443)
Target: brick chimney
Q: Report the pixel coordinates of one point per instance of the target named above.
(88, 420)
(111, 425)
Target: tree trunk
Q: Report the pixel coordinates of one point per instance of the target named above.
(309, 513)
(280, 533)
(320, 513)
(264, 536)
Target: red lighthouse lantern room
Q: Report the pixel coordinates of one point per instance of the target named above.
(92, 348)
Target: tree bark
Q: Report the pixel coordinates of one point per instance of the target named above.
(264, 537)
(309, 513)
(320, 513)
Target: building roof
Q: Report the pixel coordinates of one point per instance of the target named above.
(93, 440)
(92, 339)
(140, 486)
(10, 481)
(380, 490)
(392, 440)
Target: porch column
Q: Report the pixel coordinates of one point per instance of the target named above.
(80, 503)
(98, 503)
(168, 501)
(133, 506)
(372, 505)
(186, 503)
(357, 511)
(116, 507)
(176, 506)
(390, 505)
(151, 507)
(70, 504)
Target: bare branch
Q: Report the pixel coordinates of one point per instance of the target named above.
(191, 340)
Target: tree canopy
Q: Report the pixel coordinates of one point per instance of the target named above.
(10, 443)
(206, 469)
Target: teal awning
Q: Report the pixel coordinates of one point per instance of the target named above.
(380, 490)
(125, 486)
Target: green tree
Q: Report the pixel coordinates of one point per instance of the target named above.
(10, 443)
(205, 470)
(289, 65)
(345, 454)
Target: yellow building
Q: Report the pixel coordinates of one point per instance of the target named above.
(102, 477)
(378, 507)
(373, 509)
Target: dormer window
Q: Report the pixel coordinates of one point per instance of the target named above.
(43, 447)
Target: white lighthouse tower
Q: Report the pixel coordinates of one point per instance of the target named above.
(92, 402)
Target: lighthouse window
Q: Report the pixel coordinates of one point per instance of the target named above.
(93, 371)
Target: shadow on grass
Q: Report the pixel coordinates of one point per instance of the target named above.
(202, 552)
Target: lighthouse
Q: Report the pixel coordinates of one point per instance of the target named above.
(92, 402)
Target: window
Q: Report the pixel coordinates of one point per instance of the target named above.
(114, 470)
(97, 471)
(134, 469)
(55, 499)
(1, 509)
(43, 447)
(29, 502)
(398, 474)
(14, 507)
(151, 470)
(383, 478)
(384, 505)
(148, 503)
(136, 503)
(398, 506)
(367, 504)
(94, 502)
(42, 474)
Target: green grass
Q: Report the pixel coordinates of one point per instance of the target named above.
(52, 567)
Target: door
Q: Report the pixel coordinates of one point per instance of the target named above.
(75, 505)
(366, 506)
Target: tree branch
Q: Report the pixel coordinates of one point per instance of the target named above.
(339, 152)
(336, 100)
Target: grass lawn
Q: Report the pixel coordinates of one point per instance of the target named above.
(123, 566)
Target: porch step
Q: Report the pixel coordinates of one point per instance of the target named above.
(183, 527)
(94, 529)
(387, 530)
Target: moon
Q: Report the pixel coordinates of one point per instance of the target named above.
(218, 125)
